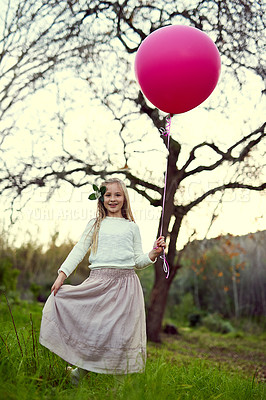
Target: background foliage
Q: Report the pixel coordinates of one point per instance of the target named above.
(223, 276)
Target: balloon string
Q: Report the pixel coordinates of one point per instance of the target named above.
(165, 132)
(165, 265)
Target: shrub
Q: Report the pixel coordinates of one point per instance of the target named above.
(215, 323)
(180, 312)
(8, 275)
(194, 319)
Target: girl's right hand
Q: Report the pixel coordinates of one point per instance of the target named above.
(58, 282)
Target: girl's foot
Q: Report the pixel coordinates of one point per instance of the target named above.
(76, 374)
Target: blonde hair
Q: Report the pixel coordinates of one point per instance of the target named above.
(101, 212)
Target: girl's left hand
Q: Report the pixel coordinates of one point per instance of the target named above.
(158, 247)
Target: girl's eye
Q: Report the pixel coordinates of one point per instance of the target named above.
(108, 194)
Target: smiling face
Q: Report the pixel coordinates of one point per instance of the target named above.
(114, 199)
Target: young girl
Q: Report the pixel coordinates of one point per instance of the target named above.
(99, 325)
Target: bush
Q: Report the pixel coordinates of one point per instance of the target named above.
(215, 323)
(182, 312)
(8, 276)
(194, 319)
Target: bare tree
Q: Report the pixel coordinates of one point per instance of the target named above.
(42, 37)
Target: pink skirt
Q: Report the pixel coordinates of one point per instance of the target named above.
(100, 324)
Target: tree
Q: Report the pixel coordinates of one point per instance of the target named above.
(225, 275)
(42, 38)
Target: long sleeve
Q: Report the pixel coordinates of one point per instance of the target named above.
(142, 260)
(79, 250)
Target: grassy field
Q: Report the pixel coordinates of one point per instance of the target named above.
(196, 364)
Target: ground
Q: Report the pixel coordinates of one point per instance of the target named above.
(236, 353)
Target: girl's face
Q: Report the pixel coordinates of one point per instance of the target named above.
(114, 199)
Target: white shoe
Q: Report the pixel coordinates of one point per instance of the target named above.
(76, 374)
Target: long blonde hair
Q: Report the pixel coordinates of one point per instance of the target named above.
(101, 212)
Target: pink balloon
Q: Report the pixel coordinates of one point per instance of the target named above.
(177, 68)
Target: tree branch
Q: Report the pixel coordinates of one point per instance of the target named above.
(225, 156)
(231, 185)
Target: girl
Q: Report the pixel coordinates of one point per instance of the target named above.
(99, 325)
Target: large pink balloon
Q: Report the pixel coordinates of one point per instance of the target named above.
(177, 68)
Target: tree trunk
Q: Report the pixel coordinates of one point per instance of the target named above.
(157, 305)
(159, 293)
(235, 291)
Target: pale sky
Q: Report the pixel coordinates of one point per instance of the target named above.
(69, 210)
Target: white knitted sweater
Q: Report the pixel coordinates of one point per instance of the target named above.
(119, 246)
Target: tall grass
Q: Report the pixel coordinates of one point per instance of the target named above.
(29, 371)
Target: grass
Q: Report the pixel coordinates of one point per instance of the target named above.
(194, 365)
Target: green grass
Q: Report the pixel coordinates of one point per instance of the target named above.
(195, 365)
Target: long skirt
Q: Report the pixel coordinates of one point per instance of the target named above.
(98, 325)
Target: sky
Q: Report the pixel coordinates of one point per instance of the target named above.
(69, 210)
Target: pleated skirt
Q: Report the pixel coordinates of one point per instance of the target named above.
(98, 325)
